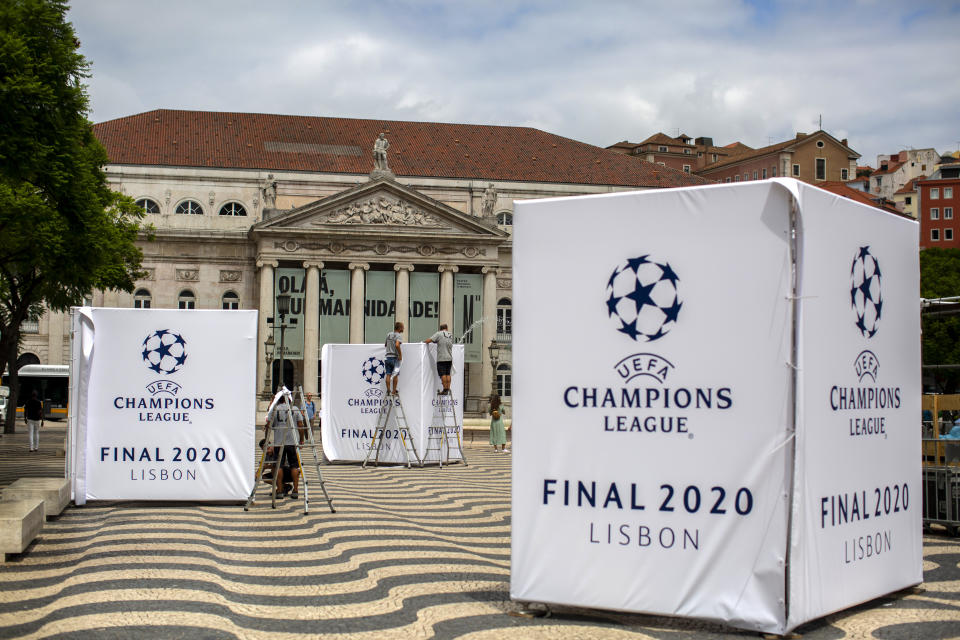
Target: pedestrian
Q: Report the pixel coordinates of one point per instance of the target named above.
(33, 412)
(286, 436)
(498, 432)
(494, 403)
(444, 341)
(394, 357)
(311, 408)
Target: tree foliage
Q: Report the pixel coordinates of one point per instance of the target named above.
(63, 232)
(940, 278)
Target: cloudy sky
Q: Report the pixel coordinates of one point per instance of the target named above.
(882, 73)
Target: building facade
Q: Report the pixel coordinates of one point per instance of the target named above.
(360, 229)
(815, 158)
(938, 208)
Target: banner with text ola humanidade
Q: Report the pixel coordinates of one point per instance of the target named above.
(857, 524)
(166, 404)
(651, 336)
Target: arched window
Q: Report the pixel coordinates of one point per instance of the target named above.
(504, 381)
(504, 320)
(190, 207)
(25, 359)
(148, 205)
(230, 300)
(141, 299)
(505, 220)
(186, 300)
(233, 209)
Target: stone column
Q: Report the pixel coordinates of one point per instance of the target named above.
(265, 304)
(489, 326)
(357, 285)
(403, 293)
(311, 328)
(446, 294)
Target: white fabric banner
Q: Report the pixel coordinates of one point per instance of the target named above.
(659, 461)
(165, 404)
(857, 503)
(653, 460)
(354, 397)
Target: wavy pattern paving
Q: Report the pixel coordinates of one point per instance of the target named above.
(410, 553)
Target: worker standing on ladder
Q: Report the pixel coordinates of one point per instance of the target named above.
(444, 341)
(394, 358)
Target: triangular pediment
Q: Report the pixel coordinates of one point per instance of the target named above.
(383, 206)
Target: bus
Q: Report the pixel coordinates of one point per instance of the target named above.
(52, 384)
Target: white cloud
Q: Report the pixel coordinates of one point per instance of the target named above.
(597, 72)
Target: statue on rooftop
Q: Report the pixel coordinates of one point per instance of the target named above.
(380, 147)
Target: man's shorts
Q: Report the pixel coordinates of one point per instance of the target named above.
(390, 366)
(443, 368)
(288, 458)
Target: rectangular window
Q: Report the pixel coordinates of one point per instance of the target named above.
(686, 168)
(935, 213)
(661, 148)
(935, 235)
(796, 170)
(908, 199)
(774, 169)
(948, 234)
(714, 157)
(746, 176)
(686, 151)
(948, 213)
(736, 178)
(844, 174)
(727, 179)
(755, 174)
(934, 193)
(821, 169)
(947, 193)
(699, 154)
(764, 173)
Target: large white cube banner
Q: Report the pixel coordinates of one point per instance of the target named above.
(163, 404)
(660, 408)
(355, 402)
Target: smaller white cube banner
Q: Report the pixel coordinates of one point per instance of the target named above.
(353, 388)
(163, 404)
(715, 402)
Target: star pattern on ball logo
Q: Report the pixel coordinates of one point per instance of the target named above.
(866, 298)
(164, 351)
(373, 370)
(642, 298)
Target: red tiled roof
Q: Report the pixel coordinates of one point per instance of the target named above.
(344, 145)
(910, 187)
(891, 167)
(661, 138)
(841, 189)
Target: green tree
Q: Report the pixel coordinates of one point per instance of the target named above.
(940, 278)
(63, 232)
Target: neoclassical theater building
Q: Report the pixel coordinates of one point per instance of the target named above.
(360, 229)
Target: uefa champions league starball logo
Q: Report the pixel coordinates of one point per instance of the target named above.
(164, 351)
(866, 298)
(373, 370)
(642, 298)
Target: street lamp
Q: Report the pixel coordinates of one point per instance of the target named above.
(494, 350)
(283, 308)
(269, 348)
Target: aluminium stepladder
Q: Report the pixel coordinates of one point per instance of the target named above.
(439, 434)
(284, 398)
(403, 431)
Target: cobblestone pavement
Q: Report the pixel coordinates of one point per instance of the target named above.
(410, 553)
